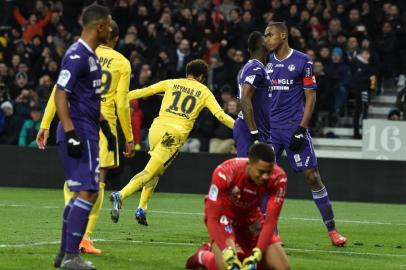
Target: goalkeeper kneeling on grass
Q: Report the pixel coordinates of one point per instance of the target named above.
(240, 236)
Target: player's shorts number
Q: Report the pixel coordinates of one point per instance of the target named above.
(106, 82)
(187, 105)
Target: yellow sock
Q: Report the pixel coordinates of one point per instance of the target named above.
(95, 213)
(147, 191)
(141, 179)
(67, 195)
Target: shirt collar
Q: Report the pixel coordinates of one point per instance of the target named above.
(86, 45)
(274, 56)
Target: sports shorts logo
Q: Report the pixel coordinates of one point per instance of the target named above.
(73, 142)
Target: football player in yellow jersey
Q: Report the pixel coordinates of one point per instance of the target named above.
(183, 99)
(116, 72)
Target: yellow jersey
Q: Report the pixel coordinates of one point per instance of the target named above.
(182, 102)
(116, 71)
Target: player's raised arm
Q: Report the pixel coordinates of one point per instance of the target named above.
(218, 112)
(49, 114)
(154, 89)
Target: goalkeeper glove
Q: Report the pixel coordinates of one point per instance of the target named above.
(250, 263)
(111, 139)
(297, 139)
(231, 260)
(73, 144)
(254, 136)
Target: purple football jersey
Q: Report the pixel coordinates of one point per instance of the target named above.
(289, 78)
(80, 76)
(254, 73)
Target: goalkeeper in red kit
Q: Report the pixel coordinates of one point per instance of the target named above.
(240, 236)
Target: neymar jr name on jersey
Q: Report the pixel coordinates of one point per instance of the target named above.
(189, 91)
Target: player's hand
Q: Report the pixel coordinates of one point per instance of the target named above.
(42, 138)
(231, 259)
(297, 139)
(129, 149)
(111, 139)
(74, 144)
(254, 136)
(251, 262)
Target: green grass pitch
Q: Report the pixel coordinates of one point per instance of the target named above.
(30, 221)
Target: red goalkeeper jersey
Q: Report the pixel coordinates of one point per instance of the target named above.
(236, 197)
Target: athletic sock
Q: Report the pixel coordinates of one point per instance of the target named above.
(76, 225)
(66, 212)
(322, 201)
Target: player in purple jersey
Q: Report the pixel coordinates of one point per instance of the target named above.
(252, 124)
(77, 101)
(293, 98)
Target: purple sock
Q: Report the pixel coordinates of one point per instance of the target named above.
(76, 225)
(68, 207)
(326, 210)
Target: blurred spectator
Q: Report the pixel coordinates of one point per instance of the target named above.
(226, 7)
(222, 140)
(352, 49)
(4, 95)
(394, 114)
(340, 74)
(324, 107)
(136, 120)
(12, 124)
(30, 127)
(33, 26)
(401, 102)
(180, 58)
(361, 81)
(387, 47)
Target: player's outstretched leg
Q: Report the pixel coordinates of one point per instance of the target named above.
(115, 206)
(320, 197)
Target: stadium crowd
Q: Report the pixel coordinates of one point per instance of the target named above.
(356, 46)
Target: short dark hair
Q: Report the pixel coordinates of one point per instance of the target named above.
(281, 26)
(115, 31)
(254, 41)
(93, 13)
(261, 151)
(196, 68)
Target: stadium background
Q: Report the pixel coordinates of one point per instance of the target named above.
(155, 36)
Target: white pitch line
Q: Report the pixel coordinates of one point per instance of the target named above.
(196, 245)
(201, 214)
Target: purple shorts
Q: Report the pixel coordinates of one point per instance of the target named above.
(242, 137)
(299, 162)
(82, 173)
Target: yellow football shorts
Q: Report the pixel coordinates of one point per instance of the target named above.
(165, 142)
